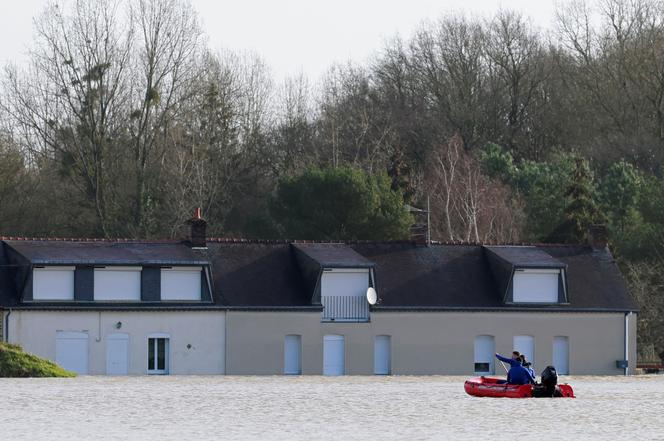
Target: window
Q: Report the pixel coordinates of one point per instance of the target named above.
(71, 351)
(343, 294)
(181, 283)
(536, 286)
(293, 355)
(561, 354)
(53, 283)
(485, 348)
(334, 355)
(382, 356)
(158, 355)
(525, 344)
(117, 283)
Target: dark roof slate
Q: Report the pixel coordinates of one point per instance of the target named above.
(52, 252)
(593, 277)
(333, 255)
(256, 274)
(268, 275)
(525, 256)
(8, 295)
(411, 275)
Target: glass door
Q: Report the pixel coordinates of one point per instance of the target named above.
(158, 356)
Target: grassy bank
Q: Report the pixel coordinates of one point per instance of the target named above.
(14, 362)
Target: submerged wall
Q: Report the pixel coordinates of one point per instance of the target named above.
(196, 338)
(426, 343)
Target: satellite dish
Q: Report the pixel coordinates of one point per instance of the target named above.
(372, 297)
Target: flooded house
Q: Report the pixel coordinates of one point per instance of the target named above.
(221, 306)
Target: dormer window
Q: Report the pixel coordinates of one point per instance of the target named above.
(181, 283)
(343, 294)
(117, 283)
(53, 283)
(536, 285)
(527, 275)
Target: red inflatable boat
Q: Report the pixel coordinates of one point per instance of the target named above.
(497, 388)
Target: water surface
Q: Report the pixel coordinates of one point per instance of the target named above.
(306, 408)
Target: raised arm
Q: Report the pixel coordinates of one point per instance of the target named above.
(505, 359)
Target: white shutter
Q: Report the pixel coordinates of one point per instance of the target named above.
(485, 348)
(382, 356)
(535, 286)
(525, 344)
(118, 283)
(345, 282)
(71, 351)
(561, 354)
(117, 354)
(53, 283)
(181, 283)
(292, 355)
(334, 361)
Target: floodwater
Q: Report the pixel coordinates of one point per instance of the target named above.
(311, 408)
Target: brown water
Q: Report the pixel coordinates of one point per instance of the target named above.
(306, 408)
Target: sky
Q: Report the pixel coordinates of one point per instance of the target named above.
(293, 36)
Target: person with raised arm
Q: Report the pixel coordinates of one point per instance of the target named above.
(517, 373)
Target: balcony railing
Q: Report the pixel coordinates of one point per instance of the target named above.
(345, 309)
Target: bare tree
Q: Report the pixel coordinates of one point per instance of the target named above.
(164, 67)
(616, 62)
(449, 61)
(68, 105)
(352, 128)
(517, 72)
(469, 205)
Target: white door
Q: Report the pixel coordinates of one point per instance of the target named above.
(525, 344)
(561, 354)
(485, 348)
(117, 354)
(292, 355)
(71, 351)
(382, 357)
(333, 355)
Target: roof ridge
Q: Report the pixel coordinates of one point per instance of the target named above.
(89, 239)
(288, 241)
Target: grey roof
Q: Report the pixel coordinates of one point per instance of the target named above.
(8, 295)
(525, 256)
(54, 252)
(409, 275)
(593, 277)
(272, 275)
(256, 274)
(333, 255)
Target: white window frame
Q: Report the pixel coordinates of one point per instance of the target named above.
(166, 296)
(167, 355)
(37, 287)
(110, 269)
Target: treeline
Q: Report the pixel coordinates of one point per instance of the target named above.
(123, 120)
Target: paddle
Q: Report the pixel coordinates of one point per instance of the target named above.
(504, 367)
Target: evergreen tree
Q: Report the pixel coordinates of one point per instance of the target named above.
(340, 203)
(581, 210)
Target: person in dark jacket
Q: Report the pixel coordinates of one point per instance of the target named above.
(517, 373)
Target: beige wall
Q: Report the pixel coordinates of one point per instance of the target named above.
(426, 342)
(203, 330)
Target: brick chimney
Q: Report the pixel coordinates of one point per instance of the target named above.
(194, 230)
(598, 236)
